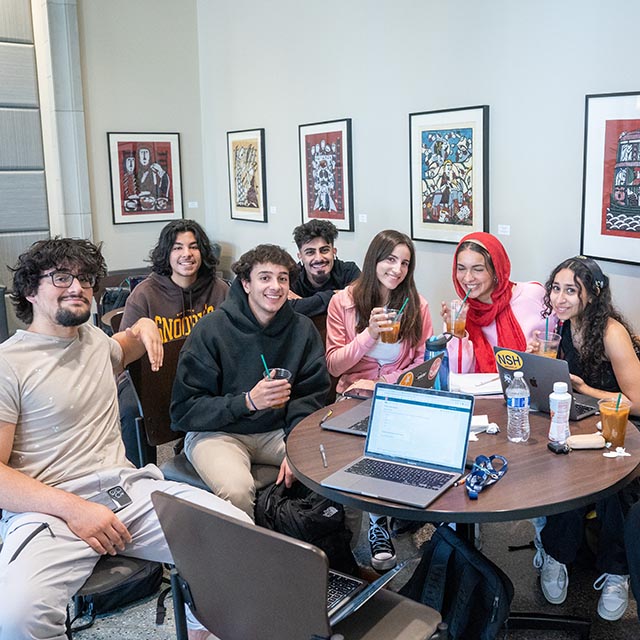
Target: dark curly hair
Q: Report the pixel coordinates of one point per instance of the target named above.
(588, 277)
(262, 254)
(366, 289)
(79, 255)
(159, 256)
(315, 229)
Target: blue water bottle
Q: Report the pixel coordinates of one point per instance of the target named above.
(435, 346)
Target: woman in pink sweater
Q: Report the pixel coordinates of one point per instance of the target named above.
(355, 319)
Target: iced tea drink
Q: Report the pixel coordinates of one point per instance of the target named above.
(278, 374)
(614, 420)
(457, 318)
(548, 344)
(393, 318)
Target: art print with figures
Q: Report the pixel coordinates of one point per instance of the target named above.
(611, 182)
(448, 164)
(325, 172)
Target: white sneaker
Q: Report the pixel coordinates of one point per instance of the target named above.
(554, 580)
(615, 595)
(383, 555)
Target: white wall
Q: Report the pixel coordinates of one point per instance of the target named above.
(282, 63)
(205, 67)
(140, 73)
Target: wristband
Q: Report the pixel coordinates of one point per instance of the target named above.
(251, 402)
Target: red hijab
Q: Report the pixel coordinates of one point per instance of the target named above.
(481, 314)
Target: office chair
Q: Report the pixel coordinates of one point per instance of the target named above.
(242, 581)
(154, 389)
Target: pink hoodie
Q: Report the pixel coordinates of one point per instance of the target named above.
(347, 351)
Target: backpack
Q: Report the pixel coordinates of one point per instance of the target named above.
(303, 514)
(140, 578)
(471, 593)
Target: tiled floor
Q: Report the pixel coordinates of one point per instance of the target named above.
(138, 622)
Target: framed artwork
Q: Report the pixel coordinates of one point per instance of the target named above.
(611, 178)
(449, 165)
(326, 172)
(247, 175)
(146, 184)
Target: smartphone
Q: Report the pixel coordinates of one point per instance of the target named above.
(115, 498)
(359, 393)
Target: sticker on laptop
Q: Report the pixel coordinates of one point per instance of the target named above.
(509, 360)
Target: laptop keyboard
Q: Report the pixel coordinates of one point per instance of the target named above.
(339, 587)
(399, 473)
(581, 409)
(362, 426)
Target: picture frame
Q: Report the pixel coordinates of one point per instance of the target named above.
(449, 173)
(326, 172)
(247, 175)
(610, 226)
(146, 180)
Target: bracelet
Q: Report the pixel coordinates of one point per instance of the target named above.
(251, 402)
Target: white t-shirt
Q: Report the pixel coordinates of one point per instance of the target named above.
(61, 395)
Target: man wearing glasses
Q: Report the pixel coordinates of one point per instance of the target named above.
(60, 444)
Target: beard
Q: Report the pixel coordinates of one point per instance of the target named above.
(320, 278)
(69, 318)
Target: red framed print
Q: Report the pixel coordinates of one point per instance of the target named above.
(449, 173)
(146, 184)
(326, 172)
(611, 178)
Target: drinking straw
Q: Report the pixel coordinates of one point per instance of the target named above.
(618, 403)
(466, 295)
(546, 328)
(404, 304)
(266, 369)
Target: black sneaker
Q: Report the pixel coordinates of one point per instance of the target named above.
(383, 555)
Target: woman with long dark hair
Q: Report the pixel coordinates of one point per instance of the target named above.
(356, 319)
(500, 312)
(602, 354)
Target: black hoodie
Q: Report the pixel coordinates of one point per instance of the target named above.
(221, 360)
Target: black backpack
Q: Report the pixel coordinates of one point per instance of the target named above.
(303, 514)
(471, 593)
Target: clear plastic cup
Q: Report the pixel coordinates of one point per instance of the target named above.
(278, 374)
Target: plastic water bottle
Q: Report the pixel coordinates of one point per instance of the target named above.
(518, 402)
(435, 346)
(560, 406)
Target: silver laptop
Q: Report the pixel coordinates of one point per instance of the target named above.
(356, 421)
(416, 446)
(270, 562)
(540, 373)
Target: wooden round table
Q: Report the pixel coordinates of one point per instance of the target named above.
(537, 483)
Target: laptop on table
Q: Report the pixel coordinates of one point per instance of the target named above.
(235, 564)
(355, 421)
(540, 373)
(416, 446)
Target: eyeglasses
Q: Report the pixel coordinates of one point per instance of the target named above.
(63, 279)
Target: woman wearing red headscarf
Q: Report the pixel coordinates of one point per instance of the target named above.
(500, 312)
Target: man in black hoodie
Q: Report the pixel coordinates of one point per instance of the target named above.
(321, 272)
(221, 399)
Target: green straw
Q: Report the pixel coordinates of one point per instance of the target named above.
(404, 304)
(462, 305)
(266, 369)
(618, 403)
(546, 328)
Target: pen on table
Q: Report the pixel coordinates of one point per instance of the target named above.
(323, 453)
(481, 384)
(457, 483)
(326, 416)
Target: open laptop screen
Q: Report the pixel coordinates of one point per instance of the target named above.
(419, 425)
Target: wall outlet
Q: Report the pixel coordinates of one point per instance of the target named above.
(273, 210)
(504, 229)
(193, 205)
(362, 217)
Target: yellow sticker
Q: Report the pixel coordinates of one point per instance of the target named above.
(407, 379)
(509, 360)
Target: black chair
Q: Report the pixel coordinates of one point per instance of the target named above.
(154, 390)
